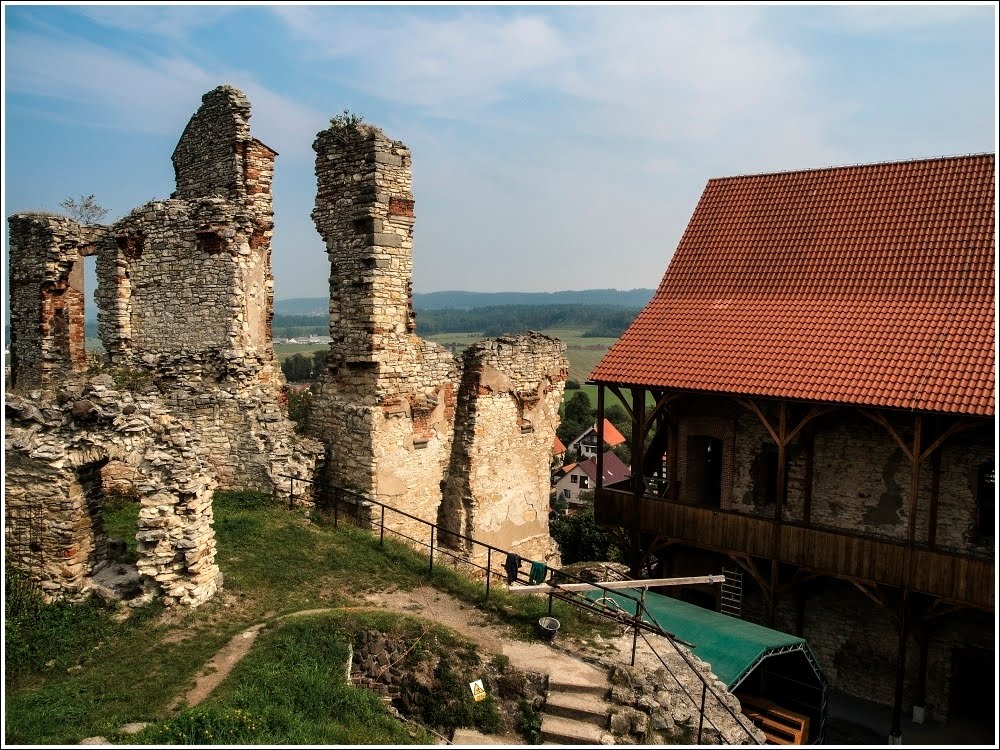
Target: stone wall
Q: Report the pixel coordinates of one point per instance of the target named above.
(56, 449)
(47, 297)
(386, 406)
(185, 300)
(508, 410)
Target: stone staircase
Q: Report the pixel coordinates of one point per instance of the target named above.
(575, 712)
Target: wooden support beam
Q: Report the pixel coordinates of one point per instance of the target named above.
(644, 583)
(935, 493)
(621, 398)
(747, 563)
(914, 479)
(895, 731)
(879, 419)
(660, 404)
(954, 429)
(772, 597)
(807, 490)
(873, 592)
(752, 406)
(638, 482)
(600, 437)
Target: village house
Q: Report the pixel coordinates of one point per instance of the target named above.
(584, 446)
(574, 479)
(820, 355)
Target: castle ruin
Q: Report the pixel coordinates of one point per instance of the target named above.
(188, 395)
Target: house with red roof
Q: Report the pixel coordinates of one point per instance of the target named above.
(573, 479)
(585, 444)
(815, 382)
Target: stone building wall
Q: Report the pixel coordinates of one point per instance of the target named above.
(47, 297)
(508, 410)
(385, 407)
(54, 517)
(185, 300)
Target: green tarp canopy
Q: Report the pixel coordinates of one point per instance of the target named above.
(733, 647)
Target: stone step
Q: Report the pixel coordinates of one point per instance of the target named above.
(569, 732)
(580, 706)
(588, 687)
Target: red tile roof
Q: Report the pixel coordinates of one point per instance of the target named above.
(558, 447)
(869, 285)
(615, 469)
(611, 434)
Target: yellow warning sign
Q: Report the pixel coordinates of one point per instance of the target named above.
(478, 691)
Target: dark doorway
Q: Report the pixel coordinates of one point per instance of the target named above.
(972, 690)
(704, 470)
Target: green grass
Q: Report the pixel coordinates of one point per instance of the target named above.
(284, 351)
(291, 689)
(274, 562)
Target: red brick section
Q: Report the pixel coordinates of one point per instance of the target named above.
(867, 285)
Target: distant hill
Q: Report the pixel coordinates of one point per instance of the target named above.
(632, 299)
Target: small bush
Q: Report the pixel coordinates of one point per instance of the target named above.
(572, 385)
(528, 723)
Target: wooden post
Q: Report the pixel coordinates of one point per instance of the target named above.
(895, 731)
(920, 688)
(935, 491)
(600, 442)
(772, 596)
(638, 485)
(914, 480)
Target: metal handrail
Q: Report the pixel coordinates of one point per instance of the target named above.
(638, 619)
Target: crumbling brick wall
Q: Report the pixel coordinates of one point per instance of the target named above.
(508, 409)
(54, 518)
(47, 297)
(185, 300)
(386, 407)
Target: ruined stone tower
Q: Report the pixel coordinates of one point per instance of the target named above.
(187, 395)
(386, 407)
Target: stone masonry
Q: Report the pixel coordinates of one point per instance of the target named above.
(386, 407)
(498, 489)
(184, 299)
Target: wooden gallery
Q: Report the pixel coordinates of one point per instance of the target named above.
(812, 398)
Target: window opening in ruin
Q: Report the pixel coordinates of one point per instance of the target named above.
(985, 502)
(704, 470)
(210, 242)
(91, 339)
(87, 493)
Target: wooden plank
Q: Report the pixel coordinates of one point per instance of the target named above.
(644, 583)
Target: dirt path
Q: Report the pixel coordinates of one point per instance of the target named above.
(423, 602)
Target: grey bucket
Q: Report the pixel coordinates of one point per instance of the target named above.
(548, 627)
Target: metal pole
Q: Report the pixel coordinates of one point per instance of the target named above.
(381, 528)
(489, 568)
(433, 527)
(635, 632)
(701, 719)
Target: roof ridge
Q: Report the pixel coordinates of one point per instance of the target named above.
(833, 167)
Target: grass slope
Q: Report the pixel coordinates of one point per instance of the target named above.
(74, 671)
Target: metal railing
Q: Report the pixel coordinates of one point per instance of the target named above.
(361, 511)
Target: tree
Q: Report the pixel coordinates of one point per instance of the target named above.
(319, 363)
(578, 415)
(86, 210)
(572, 385)
(297, 368)
(580, 539)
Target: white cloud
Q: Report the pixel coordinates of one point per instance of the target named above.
(156, 94)
(686, 76)
(899, 18)
(163, 20)
(437, 64)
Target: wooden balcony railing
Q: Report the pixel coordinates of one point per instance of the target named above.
(960, 578)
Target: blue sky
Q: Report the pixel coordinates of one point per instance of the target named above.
(553, 147)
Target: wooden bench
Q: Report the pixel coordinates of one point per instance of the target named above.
(779, 725)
